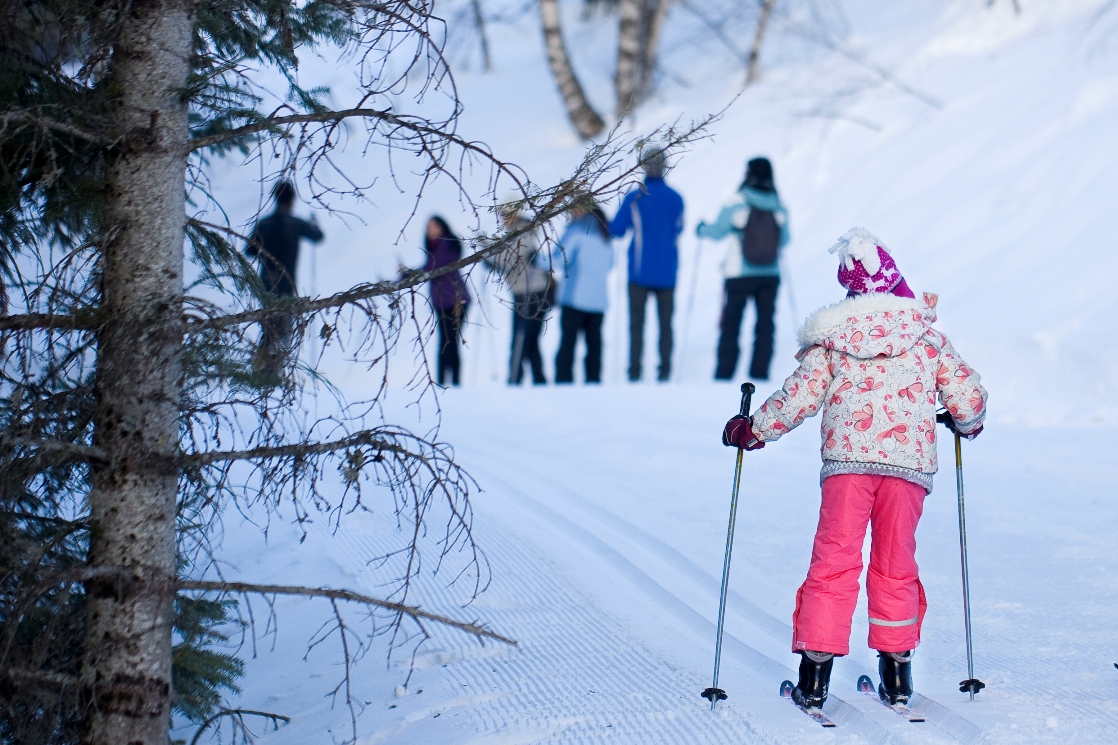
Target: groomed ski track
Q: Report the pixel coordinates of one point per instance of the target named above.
(625, 548)
(608, 577)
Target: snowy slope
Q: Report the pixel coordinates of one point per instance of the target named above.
(989, 165)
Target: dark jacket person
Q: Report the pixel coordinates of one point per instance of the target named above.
(275, 243)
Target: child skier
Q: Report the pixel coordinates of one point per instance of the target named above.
(873, 364)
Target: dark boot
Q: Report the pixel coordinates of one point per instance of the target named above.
(815, 679)
(895, 669)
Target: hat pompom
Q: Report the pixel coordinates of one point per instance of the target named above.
(859, 244)
(865, 263)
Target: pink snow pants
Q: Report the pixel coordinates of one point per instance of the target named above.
(826, 600)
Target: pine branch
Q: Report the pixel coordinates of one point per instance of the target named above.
(347, 595)
(274, 124)
(301, 449)
(30, 118)
(62, 451)
(57, 321)
(39, 677)
(368, 291)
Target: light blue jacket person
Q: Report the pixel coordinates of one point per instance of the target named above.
(731, 221)
(587, 259)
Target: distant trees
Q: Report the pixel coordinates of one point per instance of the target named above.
(582, 115)
(640, 26)
(640, 23)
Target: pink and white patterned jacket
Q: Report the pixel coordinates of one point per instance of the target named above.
(874, 365)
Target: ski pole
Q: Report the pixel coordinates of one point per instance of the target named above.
(691, 300)
(715, 694)
(971, 685)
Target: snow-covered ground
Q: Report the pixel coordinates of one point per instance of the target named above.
(988, 163)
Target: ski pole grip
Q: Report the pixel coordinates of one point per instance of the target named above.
(747, 390)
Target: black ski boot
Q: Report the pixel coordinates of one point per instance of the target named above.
(895, 669)
(815, 679)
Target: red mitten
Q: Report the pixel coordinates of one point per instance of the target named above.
(739, 434)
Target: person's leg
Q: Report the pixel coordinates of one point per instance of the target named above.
(896, 597)
(533, 326)
(519, 332)
(275, 344)
(592, 328)
(825, 602)
(454, 334)
(442, 338)
(730, 328)
(765, 295)
(638, 299)
(665, 303)
(565, 359)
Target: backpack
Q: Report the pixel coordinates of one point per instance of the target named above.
(760, 238)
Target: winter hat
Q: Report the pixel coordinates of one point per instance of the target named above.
(865, 265)
(654, 162)
(759, 175)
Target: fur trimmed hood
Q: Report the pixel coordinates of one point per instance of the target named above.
(869, 325)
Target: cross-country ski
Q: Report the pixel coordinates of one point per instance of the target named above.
(812, 711)
(865, 685)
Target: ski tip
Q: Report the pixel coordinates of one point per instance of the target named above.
(786, 689)
(865, 685)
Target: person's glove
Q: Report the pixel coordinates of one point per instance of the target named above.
(944, 418)
(738, 433)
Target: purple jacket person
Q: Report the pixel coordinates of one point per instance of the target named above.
(449, 296)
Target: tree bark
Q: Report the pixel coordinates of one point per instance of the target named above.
(126, 671)
(758, 38)
(587, 121)
(638, 36)
(628, 54)
(654, 24)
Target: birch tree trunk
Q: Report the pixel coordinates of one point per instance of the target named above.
(628, 54)
(126, 672)
(758, 38)
(654, 23)
(587, 121)
(638, 37)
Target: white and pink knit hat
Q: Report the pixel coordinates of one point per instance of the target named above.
(865, 265)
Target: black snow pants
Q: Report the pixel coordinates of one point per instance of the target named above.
(738, 291)
(638, 299)
(528, 314)
(449, 321)
(571, 322)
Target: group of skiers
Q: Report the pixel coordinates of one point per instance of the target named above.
(574, 274)
(652, 215)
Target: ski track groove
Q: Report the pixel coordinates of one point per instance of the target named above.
(548, 688)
